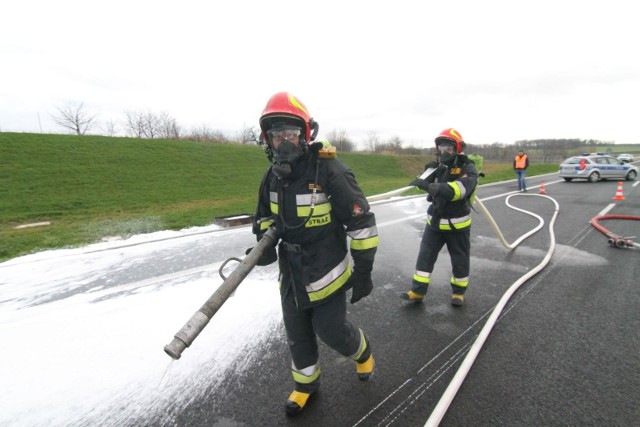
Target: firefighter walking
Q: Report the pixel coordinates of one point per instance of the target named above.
(450, 190)
(315, 203)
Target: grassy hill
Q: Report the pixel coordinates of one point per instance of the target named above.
(90, 187)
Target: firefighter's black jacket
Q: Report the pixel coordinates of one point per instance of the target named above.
(450, 209)
(313, 254)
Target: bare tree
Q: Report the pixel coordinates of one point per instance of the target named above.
(110, 128)
(373, 141)
(341, 141)
(73, 116)
(205, 134)
(395, 144)
(168, 127)
(248, 135)
(134, 124)
(151, 127)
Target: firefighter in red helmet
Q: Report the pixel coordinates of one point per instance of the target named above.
(450, 190)
(315, 203)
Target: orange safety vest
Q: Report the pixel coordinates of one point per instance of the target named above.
(521, 161)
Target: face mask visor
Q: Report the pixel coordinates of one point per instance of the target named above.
(285, 140)
(445, 150)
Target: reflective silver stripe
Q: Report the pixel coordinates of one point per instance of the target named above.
(364, 233)
(461, 188)
(328, 278)
(305, 199)
(423, 273)
(273, 197)
(307, 372)
(445, 221)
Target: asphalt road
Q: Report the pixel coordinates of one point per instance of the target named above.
(565, 350)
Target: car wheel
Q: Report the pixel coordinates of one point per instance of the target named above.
(594, 177)
(631, 176)
(568, 179)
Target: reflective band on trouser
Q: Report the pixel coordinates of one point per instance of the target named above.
(362, 348)
(366, 238)
(265, 224)
(461, 282)
(306, 375)
(459, 190)
(458, 223)
(331, 282)
(422, 277)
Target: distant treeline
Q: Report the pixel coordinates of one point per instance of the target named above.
(540, 150)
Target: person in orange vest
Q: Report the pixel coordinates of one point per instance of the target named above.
(520, 165)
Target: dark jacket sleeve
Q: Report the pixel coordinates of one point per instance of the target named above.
(264, 217)
(352, 210)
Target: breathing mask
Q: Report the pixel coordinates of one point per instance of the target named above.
(287, 147)
(446, 151)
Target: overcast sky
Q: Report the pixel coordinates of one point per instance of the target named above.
(497, 70)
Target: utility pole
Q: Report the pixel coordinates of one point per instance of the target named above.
(39, 123)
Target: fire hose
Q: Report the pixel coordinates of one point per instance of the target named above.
(443, 404)
(616, 240)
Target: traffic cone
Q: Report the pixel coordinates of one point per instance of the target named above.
(542, 190)
(619, 195)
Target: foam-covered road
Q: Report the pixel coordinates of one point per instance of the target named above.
(83, 329)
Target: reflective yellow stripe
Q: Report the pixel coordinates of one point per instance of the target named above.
(459, 223)
(331, 282)
(265, 224)
(306, 379)
(274, 207)
(457, 193)
(420, 278)
(320, 209)
(369, 243)
(362, 348)
(462, 282)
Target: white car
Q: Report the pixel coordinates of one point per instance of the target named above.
(627, 158)
(597, 167)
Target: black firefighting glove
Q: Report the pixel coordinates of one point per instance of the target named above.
(433, 189)
(269, 256)
(362, 285)
(420, 183)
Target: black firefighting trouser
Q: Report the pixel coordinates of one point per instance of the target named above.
(328, 321)
(459, 247)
